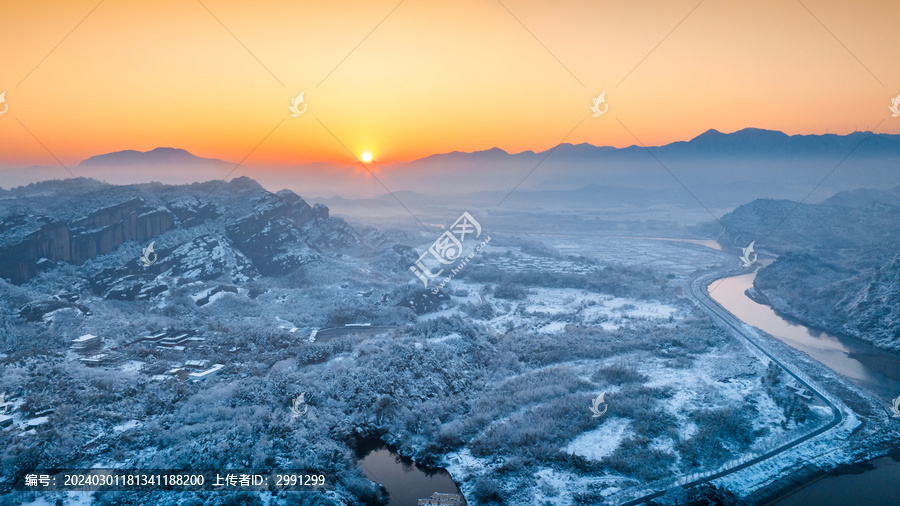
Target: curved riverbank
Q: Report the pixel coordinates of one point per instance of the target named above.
(865, 365)
(869, 482)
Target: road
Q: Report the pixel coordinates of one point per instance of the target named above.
(696, 291)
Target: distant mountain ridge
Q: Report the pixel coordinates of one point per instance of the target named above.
(152, 157)
(756, 141)
(772, 160)
(711, 158)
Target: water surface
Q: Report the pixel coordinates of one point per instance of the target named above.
(863, 364)
(868, 483)
(405, 481)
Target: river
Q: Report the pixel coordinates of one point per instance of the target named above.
(866, 483)
(868, 367)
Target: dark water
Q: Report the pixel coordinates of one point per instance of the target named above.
(404, 480)
(868, 484)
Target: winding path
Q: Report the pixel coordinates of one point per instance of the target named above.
(696, 291)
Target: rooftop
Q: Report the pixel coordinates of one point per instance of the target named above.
(202, 374)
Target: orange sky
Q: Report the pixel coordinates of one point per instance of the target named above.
(434, 77)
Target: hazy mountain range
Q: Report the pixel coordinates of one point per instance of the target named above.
(714, 170)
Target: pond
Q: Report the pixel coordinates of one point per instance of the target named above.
(405, 481)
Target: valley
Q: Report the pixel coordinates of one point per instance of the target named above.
(197, 360)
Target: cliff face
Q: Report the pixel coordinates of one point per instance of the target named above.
(96, 234)
(235, 230)
(272, 236)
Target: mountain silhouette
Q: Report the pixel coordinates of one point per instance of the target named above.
(152, 157)
(768, 160)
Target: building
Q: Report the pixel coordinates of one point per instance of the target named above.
(441, 499)
(203, 375)
(86, 344)
(196, 365)
(6, 420)
(172, 340)
(5, 405)
(177, 373)
(101, 359)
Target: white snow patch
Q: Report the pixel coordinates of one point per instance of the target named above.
(553, 487)
(552, 328)
(441, 339)
(132, 366)
(219, 295)
(600, 442)
(130, 424)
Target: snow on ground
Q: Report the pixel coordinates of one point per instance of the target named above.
(218, 295)
(819, 451)
(612, 307)
(558, 488)
(286, 325)
(552, 328)
(202, 294)
(340, 357)
(438, 314)
(49, 317)
(441, 339)
(600, 442)
(130, 424)
(571, 305)
(132, 366)
(697, 388)
(473, 290)
(34, 422)
(681, 258)
(462, 463)
(553, 487)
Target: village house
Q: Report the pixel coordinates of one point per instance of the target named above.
(203, 375)
(86, 344)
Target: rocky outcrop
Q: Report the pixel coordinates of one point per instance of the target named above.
(271, 236)
(230, 231)
(96, 234)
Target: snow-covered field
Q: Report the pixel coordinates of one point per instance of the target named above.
(491, 386)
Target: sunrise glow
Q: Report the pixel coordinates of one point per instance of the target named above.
(432, 78)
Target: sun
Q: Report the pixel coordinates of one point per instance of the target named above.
(366, 157)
